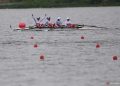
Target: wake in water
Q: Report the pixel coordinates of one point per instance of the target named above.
(99, 27)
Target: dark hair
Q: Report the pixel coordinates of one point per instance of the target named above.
(48, 18)
(38, 18)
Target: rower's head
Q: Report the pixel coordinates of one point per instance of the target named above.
(48, 18)
(38, 18)
(68, 19)
(59, 18)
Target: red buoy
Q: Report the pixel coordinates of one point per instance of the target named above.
(35, 45)
(31, 37)
(115, 58)
(108, 83)
(82, 37)
(42, 57)
(22, 25)
(97, 45)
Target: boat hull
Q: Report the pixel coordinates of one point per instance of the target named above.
(32, 28)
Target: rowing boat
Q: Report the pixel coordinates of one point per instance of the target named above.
(46, 29)
(63, 28)
(34, 28)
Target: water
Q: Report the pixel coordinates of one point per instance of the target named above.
(69, 60)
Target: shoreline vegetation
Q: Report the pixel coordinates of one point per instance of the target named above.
(57, 3)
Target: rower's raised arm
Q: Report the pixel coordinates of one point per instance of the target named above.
(34, 19)
(43, 18)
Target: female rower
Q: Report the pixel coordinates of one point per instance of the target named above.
(39, 21)
(47, 22)
(58, 22)
(67, 22)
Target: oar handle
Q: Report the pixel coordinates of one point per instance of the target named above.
(11, 27)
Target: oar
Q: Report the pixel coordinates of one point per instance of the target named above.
(10, 27)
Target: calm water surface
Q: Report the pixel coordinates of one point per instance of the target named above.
(69, 60)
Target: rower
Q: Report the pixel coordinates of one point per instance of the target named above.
(47, 22)
(38, 22)
(67, 22)
(58, 22)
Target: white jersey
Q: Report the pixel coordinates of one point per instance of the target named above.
(67, 23)
(58, 23)
(47, 22)
(38, 21)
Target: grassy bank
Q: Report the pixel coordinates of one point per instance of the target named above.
(58, 3)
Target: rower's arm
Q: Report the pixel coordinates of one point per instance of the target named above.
(43, 18)
(34, 19)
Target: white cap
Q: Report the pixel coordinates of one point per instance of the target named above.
(68, 18)
(59, 18)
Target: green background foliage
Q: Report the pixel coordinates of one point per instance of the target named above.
(59, 3)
